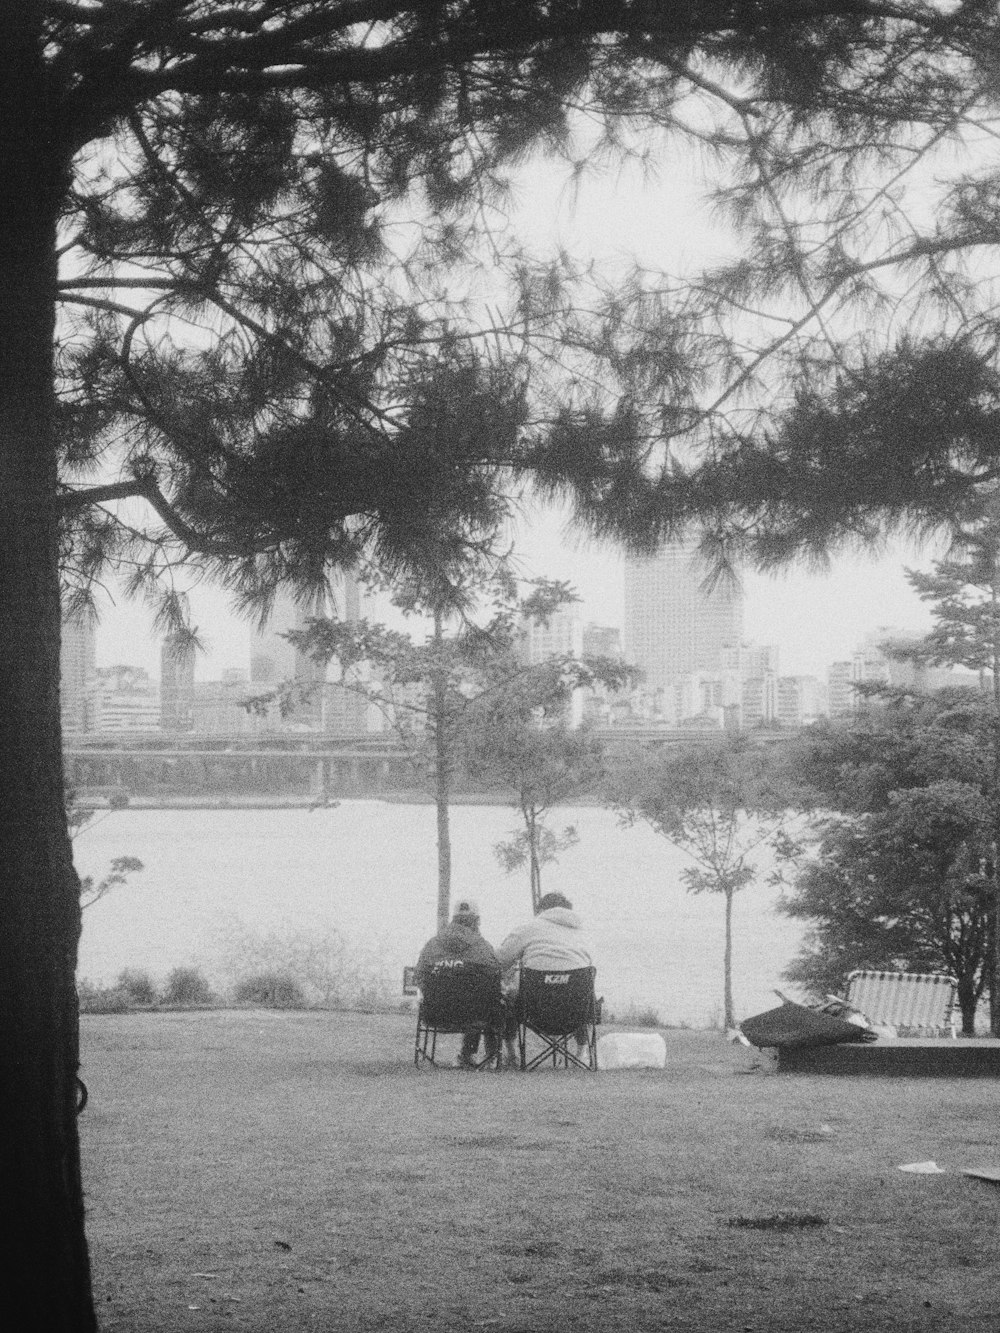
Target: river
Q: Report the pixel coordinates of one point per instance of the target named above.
(220, 886)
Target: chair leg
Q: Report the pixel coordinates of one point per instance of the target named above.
(425, 1037)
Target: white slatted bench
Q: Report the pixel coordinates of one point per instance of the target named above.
(912, 1000)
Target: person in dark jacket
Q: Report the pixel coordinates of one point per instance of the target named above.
(460, 938)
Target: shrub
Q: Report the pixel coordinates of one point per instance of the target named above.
(187, 985)
(641, 1016)
(136, 986)
(330, 971)
(101, 999)
(272, 990)
(375, 996)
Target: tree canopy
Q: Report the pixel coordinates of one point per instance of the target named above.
(267, 198)
(725, 805)
(903, 873)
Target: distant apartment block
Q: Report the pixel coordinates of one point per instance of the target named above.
(325, 702)
(219, 707)
(675, 625)
(602, 641)
(559, 636)
(840, 688)
(872, 663)
(799, 700)
(601, 706)
(759, 700)
(127, 700)
(759, 659)
(77, 675)
(177, 688)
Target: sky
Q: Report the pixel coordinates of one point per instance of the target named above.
(660, 218)
(815, 619)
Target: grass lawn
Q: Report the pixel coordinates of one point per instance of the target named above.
(269, 1172)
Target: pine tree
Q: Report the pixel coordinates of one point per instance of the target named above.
(201, 313)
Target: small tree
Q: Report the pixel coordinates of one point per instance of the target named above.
(431, 691)
(720, 803)
(522, 742)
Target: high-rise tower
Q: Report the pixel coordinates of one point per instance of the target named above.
(328, 706)
(675, 626)
(176, 684)
(77, 674)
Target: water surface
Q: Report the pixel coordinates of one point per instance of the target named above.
(367, 869)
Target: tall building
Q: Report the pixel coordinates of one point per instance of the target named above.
(219, 707)
(602, 641)
(561, 635)
(674, 626)
(840, 688)
(759, 699)
(798, 701)
(77, 674)
(758, 659)
(127, 700)
(328, 705)
(176, 684)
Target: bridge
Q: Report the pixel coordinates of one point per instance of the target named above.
(304, 765)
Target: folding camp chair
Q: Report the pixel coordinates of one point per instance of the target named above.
(458, 996)
(555, 1006)
(921, 1001)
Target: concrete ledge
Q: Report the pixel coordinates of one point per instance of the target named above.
(910, 1057)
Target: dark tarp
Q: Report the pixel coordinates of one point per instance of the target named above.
(794, 1025)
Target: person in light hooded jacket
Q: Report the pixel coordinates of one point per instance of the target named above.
(554, 940)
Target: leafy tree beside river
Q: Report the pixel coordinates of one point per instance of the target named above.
(903, 872)
(464, 698)
(721, 803)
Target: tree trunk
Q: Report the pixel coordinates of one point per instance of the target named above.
(993, 963)
(442, 780)
(729, 1018)
(967, 1003)
(533, 861)
(46, 1267)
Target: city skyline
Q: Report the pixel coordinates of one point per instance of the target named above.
(815, 618)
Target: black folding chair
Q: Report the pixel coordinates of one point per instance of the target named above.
(555, 1006)
(458, 996)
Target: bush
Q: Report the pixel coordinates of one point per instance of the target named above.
(187, 986)
(330, 971)
(377, 997)
(136, 986)
(101, 999)
(272, 990)
(641, 1016)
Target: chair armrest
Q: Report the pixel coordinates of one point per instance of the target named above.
(410, 986)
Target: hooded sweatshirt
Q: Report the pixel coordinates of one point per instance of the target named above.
(554, 939)
(456, 941)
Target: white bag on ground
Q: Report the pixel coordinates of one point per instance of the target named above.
(631, 1050)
